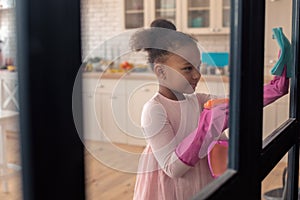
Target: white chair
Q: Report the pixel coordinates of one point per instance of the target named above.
(8, 121)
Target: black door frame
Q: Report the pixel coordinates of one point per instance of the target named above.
(250, 159)
(48, 41)
(48, 59)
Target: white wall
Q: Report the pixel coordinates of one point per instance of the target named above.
(102, 19)
(8, 33)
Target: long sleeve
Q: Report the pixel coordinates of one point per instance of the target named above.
(162, 140)
(176, 156)
(169, 131)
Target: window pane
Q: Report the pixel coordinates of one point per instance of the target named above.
(165, 4)
(273, 184)
(226, 17)
(112, 104)
(10, 163)
(169, 15)
(134, 14)
(134, 5)
(198, 18)
(134, 20)
(166, 9)
(198, 14)
(198, 3)
(277, 112)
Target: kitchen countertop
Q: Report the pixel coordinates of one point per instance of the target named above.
(134, 76)
(151, 76)
(145, 76)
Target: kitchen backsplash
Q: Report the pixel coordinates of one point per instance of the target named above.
(102, 20)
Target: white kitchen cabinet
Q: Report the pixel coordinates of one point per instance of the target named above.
(111, 109)
(91, 129)
(138, 93)
(9, 91)
(9, 95)
(166, 9)
(190, 16)
(134, 13)
(112, 122)
(206, 16)
(140, 13)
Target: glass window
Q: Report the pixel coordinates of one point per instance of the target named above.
(274, 184)
(134, 14)
(198, 14)
(226, 13)
(277, 112)
(10, 163)
(166, 9)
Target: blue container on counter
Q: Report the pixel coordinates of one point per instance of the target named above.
(216, 59)
(197, 22)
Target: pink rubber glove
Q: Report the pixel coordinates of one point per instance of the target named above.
(211, 124)
(277, 88)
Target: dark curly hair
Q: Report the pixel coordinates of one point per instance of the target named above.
(163, 23)
(160, 40)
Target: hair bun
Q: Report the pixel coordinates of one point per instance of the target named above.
(163, 23)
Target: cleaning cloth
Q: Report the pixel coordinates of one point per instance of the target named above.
(285, 57)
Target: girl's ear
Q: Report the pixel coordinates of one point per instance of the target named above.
(159, 70)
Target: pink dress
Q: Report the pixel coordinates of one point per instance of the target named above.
(161, 175)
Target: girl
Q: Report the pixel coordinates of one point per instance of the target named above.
(174, 164)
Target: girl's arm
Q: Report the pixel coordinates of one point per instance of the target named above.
(177, 158)
(161, 138)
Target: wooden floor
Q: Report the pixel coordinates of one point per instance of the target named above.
(103, 182)
(14, 183)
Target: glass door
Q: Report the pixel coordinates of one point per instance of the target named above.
(252, 160)
(52, 152)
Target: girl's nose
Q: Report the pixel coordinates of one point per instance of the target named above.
(196, 74)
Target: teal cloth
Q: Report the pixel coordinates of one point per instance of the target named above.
(285, 57)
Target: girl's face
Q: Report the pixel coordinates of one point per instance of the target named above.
(179, 75)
